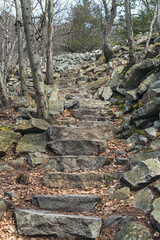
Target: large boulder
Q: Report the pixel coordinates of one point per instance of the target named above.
(137, 158)
(43, 223)
(31, 143)
(142, 174)
(75, 180)
(66, 203)
(131, 229)
(135, 75)
(7, 138)
(150, 109)
(33, 125)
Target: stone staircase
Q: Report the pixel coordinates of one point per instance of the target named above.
(77, 152)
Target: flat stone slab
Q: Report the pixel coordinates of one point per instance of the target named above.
(99, 132)
(76, 147)
(31, 143)
(75, 163)
(155, 214)
(81, 112)
(142, 199)
(122, 194)
(142, 174)
(74, 180)
(66, 203)
(7, 138)
(43, 223)
(33, 125)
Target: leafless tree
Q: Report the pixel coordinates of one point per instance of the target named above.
(42, 106)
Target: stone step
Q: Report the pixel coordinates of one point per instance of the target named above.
(76, 147)
(75, 180)
(66, 203)
(43, 223)
(99, 132)
(94, 113)
(75, 163)
(93, 104)
(93, 118)
(86, 123)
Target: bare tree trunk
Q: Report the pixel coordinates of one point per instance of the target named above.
(158, 16)
(20, 48)
(150, 33)
(42, 106)
(3, 93)
(109, 19)
(132, 47)
(49, 67)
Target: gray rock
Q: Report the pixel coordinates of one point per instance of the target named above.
(155, 214)
(157, 125)
(99, 132)
(143, 200)
(106, 94)
(142, 174)
(143, 86)
(96, 84)
(138, 72)
(5, 167)
(66, 203)
(56, 106)
(33, 125)
(150, 95)
(121, 160)
(155, 145)
(23, 178)
(10, 195)
(113, 220)
(43, 223)
(122, 194)
(35, 159)
(75, 180)
(134, 138)
(132, 230)
(75, 163)
(3, 207)
(145, 123)
(99, 92)
(27, 113)
(76, 147)
(31, 143)
(7, 138)
(143, 140)
(151, 132)
(131, 95)
(148, 110)
(71, 103)
(137, 158)
(157, 187)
